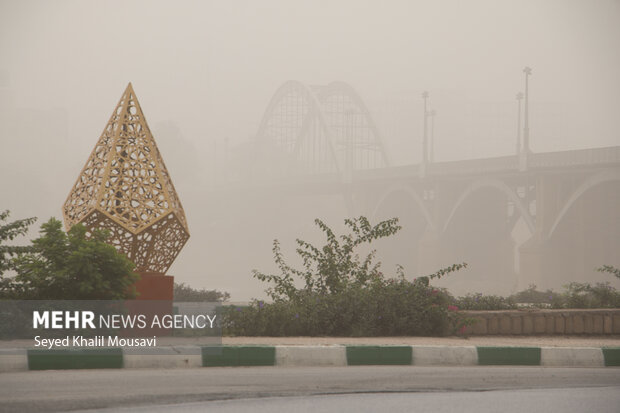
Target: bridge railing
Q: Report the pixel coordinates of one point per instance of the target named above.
(580, 157)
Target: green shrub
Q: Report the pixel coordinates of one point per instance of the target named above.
(585, 295)
(390, 307)
(532, 296)
(479, 301)
(343, 295)
(183, 292)
(576, 295)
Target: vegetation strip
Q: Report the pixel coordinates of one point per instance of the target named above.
(509, 356)
(379, 355)
(65, 359)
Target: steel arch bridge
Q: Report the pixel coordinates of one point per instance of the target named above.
(313, 130)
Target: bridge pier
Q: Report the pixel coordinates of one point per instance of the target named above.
(532, 263)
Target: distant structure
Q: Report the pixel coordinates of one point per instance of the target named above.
(125, 188)
(319, 129)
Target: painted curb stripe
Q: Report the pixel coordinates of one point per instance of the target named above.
(334, 355)
(210, 356)
(215, 356)
(509, 356)
(571, 357)
(445, 356)
(13, 359)
(378, 355)
(611, 356)
(104, 358)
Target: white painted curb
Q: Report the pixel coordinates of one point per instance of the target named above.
(572, 357)
(13, 359)
(445, 356)
(326, 355)
(311, 355)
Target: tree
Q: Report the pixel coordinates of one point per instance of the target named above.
(183, 292)
(73, 266)
(9, 232)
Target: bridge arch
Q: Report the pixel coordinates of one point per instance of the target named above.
(500, 186)
(591, 182)
(404, 248)
(317, 130)
(410, 192)
(336, 92)
(291, 109)
(477, 230)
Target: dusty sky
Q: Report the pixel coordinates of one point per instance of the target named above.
(204, 72)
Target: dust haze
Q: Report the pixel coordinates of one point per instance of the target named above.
(207, 74)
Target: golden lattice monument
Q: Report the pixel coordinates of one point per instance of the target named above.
(125, 188)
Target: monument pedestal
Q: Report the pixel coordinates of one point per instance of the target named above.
(159, 289)
(155, 286)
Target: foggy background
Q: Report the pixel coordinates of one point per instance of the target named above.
(205, 71)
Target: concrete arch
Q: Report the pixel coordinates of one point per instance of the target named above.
(600, 178)
(500, 186)
(401, 188)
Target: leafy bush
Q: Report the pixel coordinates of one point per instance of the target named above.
(585, 295)
(395, 307)
(576, 295)
(479, 301)
(183, 292)
(343, 295)
(532, 296)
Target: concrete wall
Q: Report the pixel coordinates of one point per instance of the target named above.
(544, 322)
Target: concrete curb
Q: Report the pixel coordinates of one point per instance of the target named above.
(328, 355)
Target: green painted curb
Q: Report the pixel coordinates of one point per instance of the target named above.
(509, 356)
(377, 355)
(611, 356)
(218, 356)
(64, 359)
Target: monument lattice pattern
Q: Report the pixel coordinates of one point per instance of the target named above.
(126, 189)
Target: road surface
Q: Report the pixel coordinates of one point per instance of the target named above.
(284, 388)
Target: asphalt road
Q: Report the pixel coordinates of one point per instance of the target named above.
(370, 388)
(574, 400)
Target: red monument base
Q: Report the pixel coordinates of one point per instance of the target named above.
(155, 286)
(158, 288)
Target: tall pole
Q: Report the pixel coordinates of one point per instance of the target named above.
(526, 123)
(519, 98)
(425, 137)
(432, 115)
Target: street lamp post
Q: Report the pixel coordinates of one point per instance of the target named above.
(519, 98)
(432, 114)
(425, 136)
(526, 123)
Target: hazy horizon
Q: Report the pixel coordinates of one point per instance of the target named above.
(204, 73)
